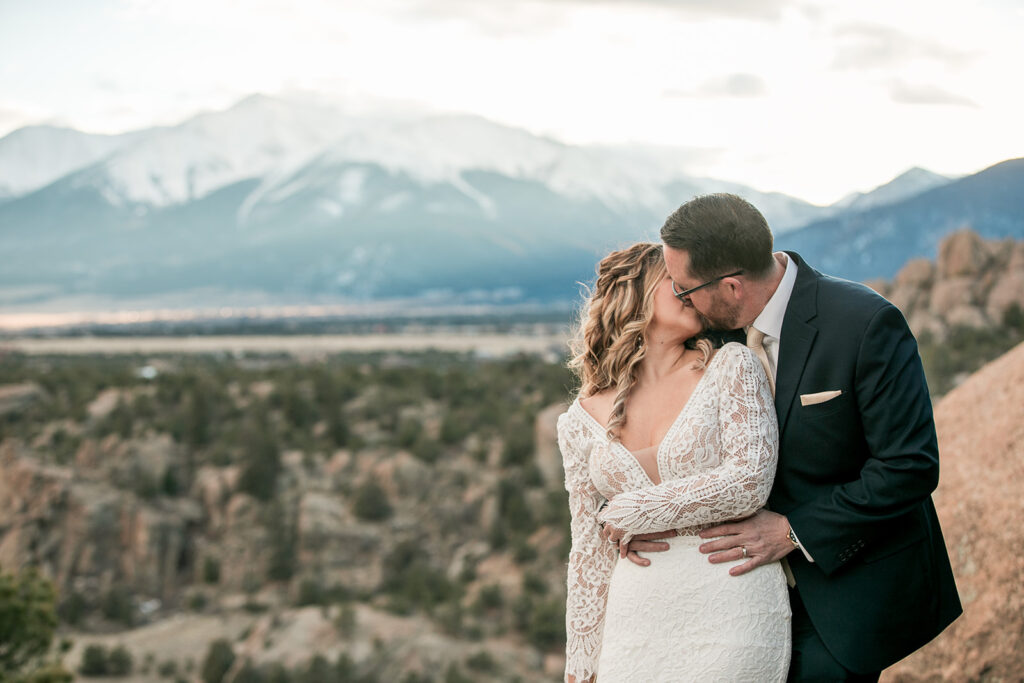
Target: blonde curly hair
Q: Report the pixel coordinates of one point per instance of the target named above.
(608, 345)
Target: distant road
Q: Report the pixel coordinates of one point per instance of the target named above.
(542, 343)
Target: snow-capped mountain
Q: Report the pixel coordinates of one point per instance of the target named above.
(35, 156)
(256, 137)
(304, 200)
(268, 139)
(875, 242)
(907, 184)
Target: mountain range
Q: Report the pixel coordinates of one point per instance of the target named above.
(290, 200)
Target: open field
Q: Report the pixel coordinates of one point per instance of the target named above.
(542, 343)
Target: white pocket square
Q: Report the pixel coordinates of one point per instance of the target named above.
(820, 397)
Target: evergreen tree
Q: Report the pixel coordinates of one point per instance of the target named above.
(28, 618)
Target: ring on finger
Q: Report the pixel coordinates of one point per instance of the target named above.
(744, 549)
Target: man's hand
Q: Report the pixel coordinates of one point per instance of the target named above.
(641, 543)
(765, 535)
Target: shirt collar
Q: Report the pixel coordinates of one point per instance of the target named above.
(770, 319)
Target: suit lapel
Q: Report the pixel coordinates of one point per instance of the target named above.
(797, 338)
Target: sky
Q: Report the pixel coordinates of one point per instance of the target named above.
(814, 98)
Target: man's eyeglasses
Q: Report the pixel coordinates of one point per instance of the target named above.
(683, 295)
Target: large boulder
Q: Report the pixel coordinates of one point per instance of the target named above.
(962, 254)
(981, 440)
(548, 457)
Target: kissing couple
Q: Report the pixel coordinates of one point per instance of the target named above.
(754, 510)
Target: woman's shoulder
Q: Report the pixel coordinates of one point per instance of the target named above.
(599, 403)
(734, 358)
(735, 352)
(580, 415)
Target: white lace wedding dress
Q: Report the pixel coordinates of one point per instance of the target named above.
(681, 618)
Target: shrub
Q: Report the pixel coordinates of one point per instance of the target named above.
(27, 618)
(453, 675)
(426, 449)
(346, 621)
(546, 626)
(489, 598)
(454, 428)
(197, 601)
(482, 661)
(117, 606)
(282, 539)
(119, 661)
(211, 570)
(167, 669)
(518, 443)
(276, 673)
(412, 582)
(262, 465)
(345, 669)
(73, 608)
(94, 661)
(337, 428)
(371, 502)
(318, 669)
(219, 659)
(409, 431)
(249, 674)
(311, 592)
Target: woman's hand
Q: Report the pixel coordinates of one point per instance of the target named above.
(617, 537)
(629, 545)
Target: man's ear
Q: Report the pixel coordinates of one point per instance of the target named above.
(734, 288)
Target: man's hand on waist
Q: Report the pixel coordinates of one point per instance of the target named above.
(761, 539)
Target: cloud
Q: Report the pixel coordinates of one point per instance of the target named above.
(732, 85)
(732, 9)
(872, 46)
(909, 93)
(108, 86)
(525, 15)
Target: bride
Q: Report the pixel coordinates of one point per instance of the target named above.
(673, 434)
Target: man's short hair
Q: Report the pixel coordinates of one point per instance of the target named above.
(720, 233)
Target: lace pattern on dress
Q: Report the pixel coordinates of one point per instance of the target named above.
(591, 558)
(718, 460)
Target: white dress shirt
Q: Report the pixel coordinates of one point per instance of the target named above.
(769, 321)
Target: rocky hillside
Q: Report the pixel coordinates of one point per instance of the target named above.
(966, 308)
(388, 515)
(974, 283)
(981, 441)
(401, 517)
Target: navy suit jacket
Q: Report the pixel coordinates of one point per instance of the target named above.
(856, 473)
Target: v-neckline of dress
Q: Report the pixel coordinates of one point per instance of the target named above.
(603, 431)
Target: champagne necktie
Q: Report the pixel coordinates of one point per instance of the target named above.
(755, 342)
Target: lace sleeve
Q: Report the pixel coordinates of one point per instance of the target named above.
(739, 484)
(591, 558)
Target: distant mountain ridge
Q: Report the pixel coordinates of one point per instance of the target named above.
(876, 242)
(268, 139)
(278, 200)
(907, 184)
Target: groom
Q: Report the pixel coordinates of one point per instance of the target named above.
(858, 458)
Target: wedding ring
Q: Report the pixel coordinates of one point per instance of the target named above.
(744, 549)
